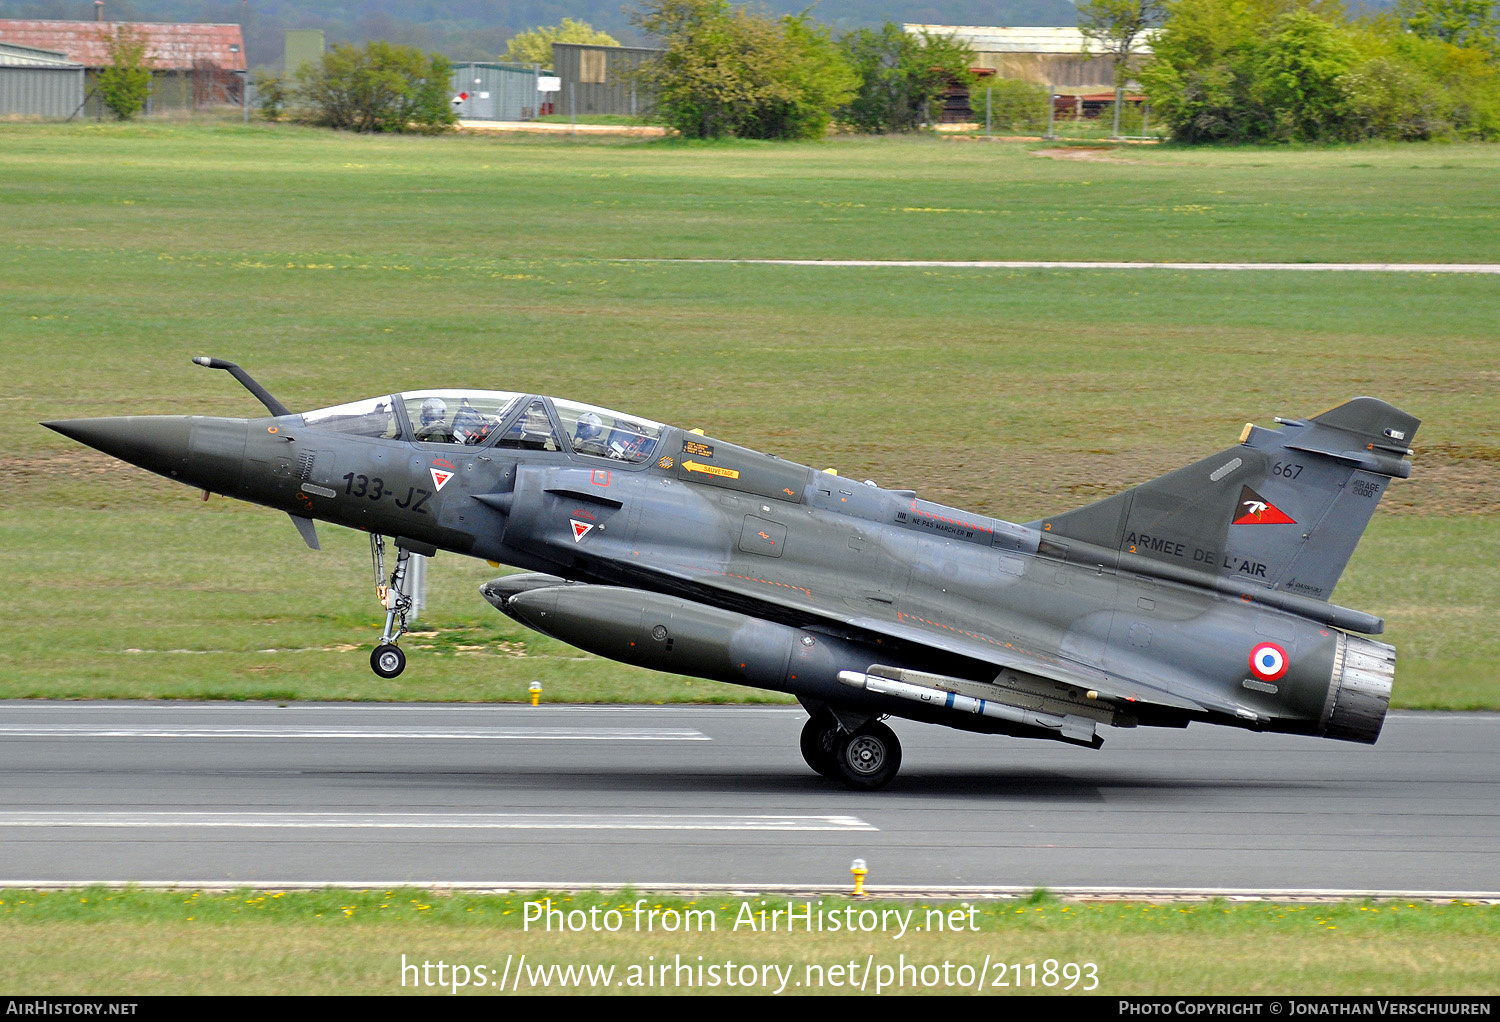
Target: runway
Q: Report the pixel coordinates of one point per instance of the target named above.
(698, 797)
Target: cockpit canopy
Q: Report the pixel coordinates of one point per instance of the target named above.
(602, 433)
(493, 418)
(374, 417)
(456, 416)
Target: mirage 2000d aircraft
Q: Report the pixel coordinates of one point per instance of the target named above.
(1199, 596)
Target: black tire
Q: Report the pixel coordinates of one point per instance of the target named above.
(818, 740)
(387, 660)
(869, 758)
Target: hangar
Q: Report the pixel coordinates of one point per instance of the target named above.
(193, 66)
(38, 83)
(495, 91)
(602, 79)
(1064, 58)
(1079, 73)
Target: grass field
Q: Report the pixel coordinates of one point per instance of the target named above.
(134, 942)
(337, 267)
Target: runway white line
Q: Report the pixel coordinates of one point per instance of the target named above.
(439, 821)
(287, 731)
(1033, 264)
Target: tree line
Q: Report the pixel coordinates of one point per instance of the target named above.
(1217, 71)
(1305, 71)
(725, 70)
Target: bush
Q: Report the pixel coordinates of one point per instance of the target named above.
(1227, 70)
(125, 81)
(818, 81)
(902, 77)
(1300, 79)
(1014, 105)
(381, 87)
(1390, 99)
(270, 94)
(726, 71)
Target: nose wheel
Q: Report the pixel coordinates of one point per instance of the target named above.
(388, 660)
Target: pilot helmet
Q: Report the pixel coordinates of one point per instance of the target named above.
(589, 427)
(433, 410)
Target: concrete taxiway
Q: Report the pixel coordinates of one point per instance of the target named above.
(501, 796)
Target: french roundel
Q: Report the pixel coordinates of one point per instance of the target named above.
(1268, 661)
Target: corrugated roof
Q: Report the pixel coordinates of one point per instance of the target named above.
(13, 55)
(169, 47)
(1000, 39)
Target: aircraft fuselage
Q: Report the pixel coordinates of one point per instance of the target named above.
(675, 551)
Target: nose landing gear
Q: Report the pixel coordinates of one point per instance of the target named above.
(387, 660)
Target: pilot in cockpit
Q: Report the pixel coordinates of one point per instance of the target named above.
(588, 438)
(433, 427)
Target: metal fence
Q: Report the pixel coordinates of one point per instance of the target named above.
(498, 92)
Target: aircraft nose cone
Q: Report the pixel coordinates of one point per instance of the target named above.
(158, 443)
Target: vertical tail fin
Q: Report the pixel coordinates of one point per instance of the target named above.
(1284, 509)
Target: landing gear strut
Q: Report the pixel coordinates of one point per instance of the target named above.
(387, 660)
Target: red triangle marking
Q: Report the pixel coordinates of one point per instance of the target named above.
(1253, 509)
(580, 529)
(440, 478)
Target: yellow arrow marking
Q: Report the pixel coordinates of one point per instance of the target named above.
(713, 470)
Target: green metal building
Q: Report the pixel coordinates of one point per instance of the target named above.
(38, 83)
(602, 79)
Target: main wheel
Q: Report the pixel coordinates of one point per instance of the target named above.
(869, 758)
(818, 741)
(387, 660)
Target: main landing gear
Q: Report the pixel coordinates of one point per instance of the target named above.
(388, 660)
(864, 759)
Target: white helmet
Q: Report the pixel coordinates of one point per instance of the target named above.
(589, 427)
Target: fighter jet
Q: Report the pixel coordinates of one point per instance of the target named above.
(1200, 596)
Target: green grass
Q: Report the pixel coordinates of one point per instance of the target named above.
(135, 942)
(337, 267)
(310, 195)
